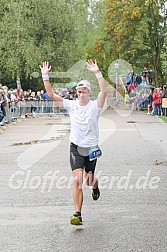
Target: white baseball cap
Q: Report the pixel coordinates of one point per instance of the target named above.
(85, 84)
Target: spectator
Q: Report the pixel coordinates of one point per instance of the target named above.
(129, 79)
(33, 106)
(126, 99)
(131, 87)
(163, 96)
(38, 99)
(150, 103)
(157, 102)
(3, 102)
(138, 80)
(47, 100)
(132, 96)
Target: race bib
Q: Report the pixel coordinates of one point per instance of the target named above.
(94, 153)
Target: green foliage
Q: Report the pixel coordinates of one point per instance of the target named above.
(135, 31)
(32, 33)
(66, 31)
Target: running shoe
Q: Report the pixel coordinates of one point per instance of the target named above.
(76, 220)
(96, 194)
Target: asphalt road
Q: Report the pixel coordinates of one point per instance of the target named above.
(35, 187)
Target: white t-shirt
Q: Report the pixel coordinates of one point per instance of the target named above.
(84, 122)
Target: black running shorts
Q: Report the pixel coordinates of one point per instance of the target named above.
(78, 161)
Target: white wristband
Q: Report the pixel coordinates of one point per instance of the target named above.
(45, 77)
(99, 75)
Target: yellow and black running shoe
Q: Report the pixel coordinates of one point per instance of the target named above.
(76, 220)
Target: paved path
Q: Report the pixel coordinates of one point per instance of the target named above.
(35, 187)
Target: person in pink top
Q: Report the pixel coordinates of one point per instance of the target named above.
(131, 87)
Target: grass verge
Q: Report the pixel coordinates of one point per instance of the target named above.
(164, 118)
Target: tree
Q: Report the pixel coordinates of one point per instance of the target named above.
(31, 33)
(134, 32)
(156, 22)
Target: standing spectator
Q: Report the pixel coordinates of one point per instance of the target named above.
(145, 74)
(128, 79)
(157, 102)
(13, 101)
(150, 103)
(138, 80)
(47, 108)
(33, 105)
(144, 83)
(126, 99)
(38, 99)
(142, 99)
(164, 95)
(19, 97)
(132, 96)
(3, 102)
(131, 87)
(42, 101)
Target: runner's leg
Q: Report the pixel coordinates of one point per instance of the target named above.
(77, 189)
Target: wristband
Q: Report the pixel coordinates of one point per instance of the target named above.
(45, 77)
(99, 75)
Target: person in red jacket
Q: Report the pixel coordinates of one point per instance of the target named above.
(157, 102)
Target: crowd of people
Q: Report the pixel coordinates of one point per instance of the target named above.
(151, 99)
(139, 95)
(18, 101)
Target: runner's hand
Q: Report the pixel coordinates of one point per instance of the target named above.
(92, 66)
(45, 68)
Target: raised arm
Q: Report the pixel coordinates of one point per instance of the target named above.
(45, 68)
(93, 67)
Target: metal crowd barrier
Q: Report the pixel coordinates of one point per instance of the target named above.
(40, 108)
(34, 109)
(31, 108)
